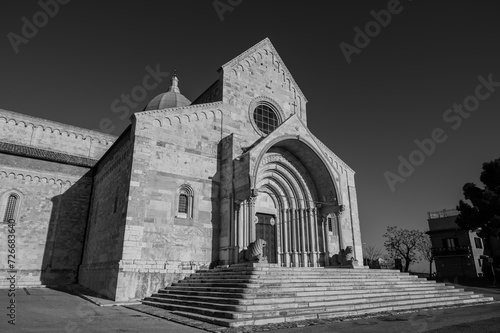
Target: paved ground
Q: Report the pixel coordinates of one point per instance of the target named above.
(49, 310)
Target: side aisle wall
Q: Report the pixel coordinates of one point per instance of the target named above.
(51, 214)
(107, 215)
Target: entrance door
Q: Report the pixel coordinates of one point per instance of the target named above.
(266, 229)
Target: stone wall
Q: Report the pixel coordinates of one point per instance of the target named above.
(50, 135)
(50, 223)
(173, 148)
(107, 218)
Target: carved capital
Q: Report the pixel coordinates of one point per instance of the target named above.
(251, 201)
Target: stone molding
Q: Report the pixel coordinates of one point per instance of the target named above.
(39, 178)
(10, 120)
(181, 118)
(333, 159)
(180, 108)
(283, 156)
(279, 155)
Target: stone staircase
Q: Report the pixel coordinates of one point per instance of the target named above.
(259, 294)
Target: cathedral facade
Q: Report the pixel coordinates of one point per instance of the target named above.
(187, 185)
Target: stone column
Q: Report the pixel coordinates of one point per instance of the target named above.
(286, 247)
(238, 235)
(244, 220)
(303, 247)
(339, 229)
(313, 237)
(317, 240)
(278, 239)
(298, 238)
(251, 219)
(327, 243)
(294, 237)
(307, 235)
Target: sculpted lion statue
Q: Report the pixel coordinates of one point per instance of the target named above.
(255, 251)
(344, 258)
(348, 254)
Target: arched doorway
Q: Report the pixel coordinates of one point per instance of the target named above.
(291, 191)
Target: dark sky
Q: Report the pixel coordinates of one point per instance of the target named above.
(369, 111)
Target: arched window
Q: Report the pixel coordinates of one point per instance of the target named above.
(185, 202)
(9, 206)
(10, 210)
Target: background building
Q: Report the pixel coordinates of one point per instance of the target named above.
(456, 251)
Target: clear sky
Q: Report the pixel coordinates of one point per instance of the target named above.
(397, 87)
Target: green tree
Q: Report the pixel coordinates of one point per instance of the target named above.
(483, 212)
(404, 244)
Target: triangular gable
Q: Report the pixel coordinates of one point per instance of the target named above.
(266, 47)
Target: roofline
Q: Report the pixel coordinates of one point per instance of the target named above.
(86, 162)
(253, 49)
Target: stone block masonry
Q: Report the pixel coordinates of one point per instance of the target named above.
(51, 218)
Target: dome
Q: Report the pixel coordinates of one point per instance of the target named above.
(170, 99)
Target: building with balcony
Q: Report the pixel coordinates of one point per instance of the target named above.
(456, 251)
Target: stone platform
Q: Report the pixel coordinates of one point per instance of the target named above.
(256, 294)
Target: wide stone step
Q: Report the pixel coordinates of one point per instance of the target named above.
(243, 295)
(247, 295)
(321, 314)
(300, 297)
(289, 271)
(254, 275)
(283, 290)
(297, 281)
(240, 312)
(298, 270)
(297, 302)
(293, 284)
(329, 277)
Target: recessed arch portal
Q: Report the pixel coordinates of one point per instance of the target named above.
(313, 161)
(301, 184)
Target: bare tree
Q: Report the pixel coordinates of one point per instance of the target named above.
(426, 250)
(371, 252)
(404, 244)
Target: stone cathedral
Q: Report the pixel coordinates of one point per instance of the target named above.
(188, 185)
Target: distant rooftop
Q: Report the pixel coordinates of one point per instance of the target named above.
(442, 213)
